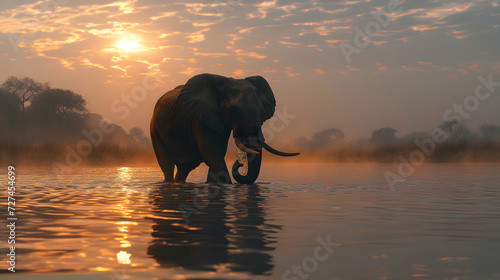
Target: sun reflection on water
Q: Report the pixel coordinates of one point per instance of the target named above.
(124, 173)
(123, 257)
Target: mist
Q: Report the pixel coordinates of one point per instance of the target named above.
(54, 126)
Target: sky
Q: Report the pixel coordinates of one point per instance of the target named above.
(356, 65)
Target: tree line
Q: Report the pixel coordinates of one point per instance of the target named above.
(36, 118)
(458, 144)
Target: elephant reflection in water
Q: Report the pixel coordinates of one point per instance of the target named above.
(229, 231)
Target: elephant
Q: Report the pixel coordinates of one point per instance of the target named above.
(192, 124)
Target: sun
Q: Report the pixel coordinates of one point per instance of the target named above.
(130, 44)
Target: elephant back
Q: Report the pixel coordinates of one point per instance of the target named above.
(166, 107)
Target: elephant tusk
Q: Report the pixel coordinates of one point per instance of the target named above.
(243, 148)
(276, 152)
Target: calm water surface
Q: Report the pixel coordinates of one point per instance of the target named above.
(297, 222)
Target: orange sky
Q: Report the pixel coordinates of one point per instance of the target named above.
(122, 55)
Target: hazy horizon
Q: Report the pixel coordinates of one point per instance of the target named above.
(419, 65)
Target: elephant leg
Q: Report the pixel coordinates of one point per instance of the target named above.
(209, 179)
(168, 172)
(211, 176)
(213, 147)
(182, 173)
(167, 167)
(218, 173)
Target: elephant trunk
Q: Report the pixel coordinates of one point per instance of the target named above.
(252, 146)
(254, 157)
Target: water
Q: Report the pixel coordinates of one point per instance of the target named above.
(441, 223)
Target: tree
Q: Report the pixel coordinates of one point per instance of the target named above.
(455, 129)
(59, 103)
(23, 89)
(490, 130)
(57, 111)
(137, 135)
(10, 112)
(384, 135)
(321, 139)
(326, 137)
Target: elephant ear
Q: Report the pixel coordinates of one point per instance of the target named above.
(265, 95)
(199, 100)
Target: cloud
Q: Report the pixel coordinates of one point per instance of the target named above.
(263, 9)
(164, 15)
(291, 73)
(210, 54)
(289, 43)
(446, 9)
(315, 25)
(238, 73)
(319, 71)
(197, 36)
(241, 52)
(189, 71)
(86, 61)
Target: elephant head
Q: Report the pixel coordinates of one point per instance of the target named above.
(241, 105)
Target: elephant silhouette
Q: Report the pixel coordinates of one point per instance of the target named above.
(192, 123)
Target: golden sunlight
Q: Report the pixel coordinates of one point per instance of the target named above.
(123, 257)
(129, 44)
